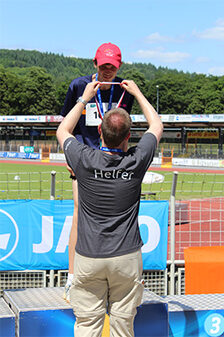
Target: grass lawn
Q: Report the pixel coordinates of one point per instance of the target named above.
(189, 185)
(33, 181)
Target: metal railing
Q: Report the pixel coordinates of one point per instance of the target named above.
(206, 151)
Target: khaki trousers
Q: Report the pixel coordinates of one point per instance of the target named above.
(106, 284)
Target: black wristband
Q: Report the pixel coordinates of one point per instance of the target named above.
(73, 177)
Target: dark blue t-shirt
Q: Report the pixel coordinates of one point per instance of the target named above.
(89, 134)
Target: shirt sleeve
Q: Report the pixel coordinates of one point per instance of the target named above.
(147, 146)
(72, 150)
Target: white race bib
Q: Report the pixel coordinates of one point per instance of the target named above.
(92, 115)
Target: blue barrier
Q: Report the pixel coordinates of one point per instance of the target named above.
(34, 234)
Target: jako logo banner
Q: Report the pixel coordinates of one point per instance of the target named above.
(34, 234)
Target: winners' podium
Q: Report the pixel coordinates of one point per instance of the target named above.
(7, 320)
(42, 312)
(196, 315)
(152, 316)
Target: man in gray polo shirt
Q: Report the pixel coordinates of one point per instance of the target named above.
(108, 262)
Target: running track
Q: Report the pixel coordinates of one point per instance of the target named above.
(153, 168)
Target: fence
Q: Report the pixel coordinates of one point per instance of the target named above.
(196, 219)
(205, 151)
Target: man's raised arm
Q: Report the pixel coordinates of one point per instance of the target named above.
(152, 117)
(68, 124)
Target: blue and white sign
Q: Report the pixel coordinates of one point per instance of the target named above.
(34, 234)
(20, 155)
(200, 323)
(27, 149)
(153, 223)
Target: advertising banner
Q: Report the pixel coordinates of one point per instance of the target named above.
(203, 134)
(20, 155)
(34, 234)
(153, 224)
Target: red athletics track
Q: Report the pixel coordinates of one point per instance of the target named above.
(187, 169)
(152, 168)
(30, 162)
(205, 226)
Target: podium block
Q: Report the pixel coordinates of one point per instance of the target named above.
(151, 320)
(196, 315)
(152, 316)
(7, 320)
(41, 312)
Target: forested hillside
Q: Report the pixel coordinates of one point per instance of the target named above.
(32, 82)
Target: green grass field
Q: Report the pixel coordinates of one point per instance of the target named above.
(32, 181)
(189, 185)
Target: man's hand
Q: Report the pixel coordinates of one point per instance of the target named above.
(90, 90)
(153, 119)
(131, 87)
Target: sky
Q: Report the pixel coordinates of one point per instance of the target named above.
(187, 35)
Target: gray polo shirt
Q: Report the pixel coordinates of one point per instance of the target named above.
(109, 189)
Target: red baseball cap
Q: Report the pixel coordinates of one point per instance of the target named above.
(108, 53)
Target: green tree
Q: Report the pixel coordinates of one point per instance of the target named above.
(174, 92)
(39, 93)
(60, 95)
(207, 95)
(11, 88)
(35, 82)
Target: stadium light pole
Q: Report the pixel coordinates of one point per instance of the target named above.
(157, 100)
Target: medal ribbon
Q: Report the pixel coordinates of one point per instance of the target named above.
(100, 104)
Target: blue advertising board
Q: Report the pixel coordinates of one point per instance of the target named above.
(153, 224)
(34, 234)
(20, 155)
